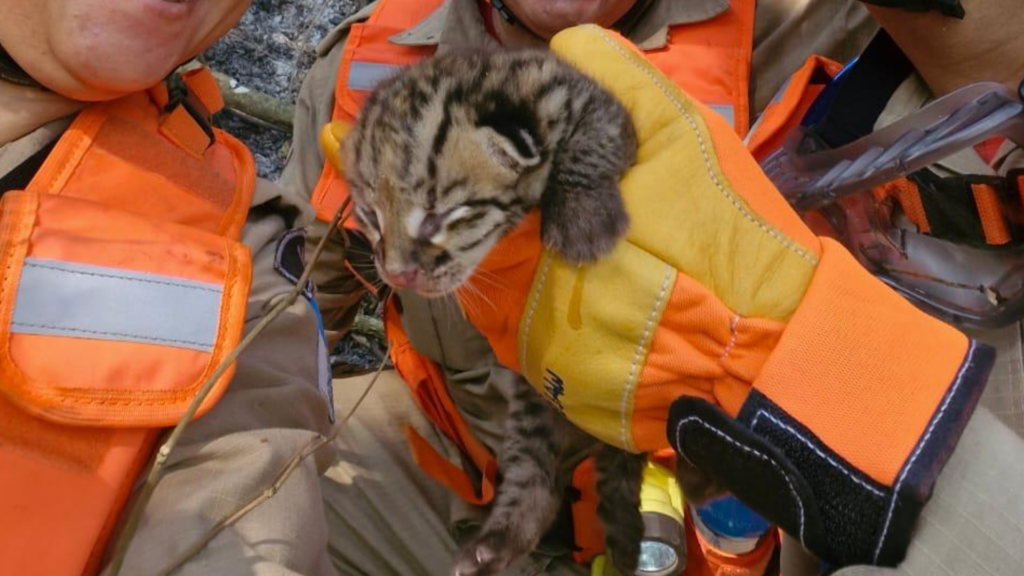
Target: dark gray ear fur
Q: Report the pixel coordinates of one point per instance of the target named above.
(517, 154)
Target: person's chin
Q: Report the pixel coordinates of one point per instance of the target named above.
(555, 18)
(567, 13)
(106, 78)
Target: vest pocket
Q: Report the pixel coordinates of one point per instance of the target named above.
(109, 318)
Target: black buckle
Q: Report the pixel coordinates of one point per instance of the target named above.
(179, 94)
(505, 12)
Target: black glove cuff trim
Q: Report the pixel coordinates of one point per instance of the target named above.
(758, 473)
(916, 480)
(690, 421)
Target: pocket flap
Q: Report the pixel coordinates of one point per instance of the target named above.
(112, 319)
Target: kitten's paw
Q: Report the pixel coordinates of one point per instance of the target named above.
(696, 485)
(583, 234)
(487, 555)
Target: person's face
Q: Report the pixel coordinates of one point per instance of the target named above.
(548, 17)
(102, 49)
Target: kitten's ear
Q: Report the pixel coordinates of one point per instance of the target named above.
(511, 147)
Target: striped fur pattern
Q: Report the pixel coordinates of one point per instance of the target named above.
(450, 155)
(444, 160)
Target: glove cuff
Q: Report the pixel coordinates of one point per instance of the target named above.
(853, 417)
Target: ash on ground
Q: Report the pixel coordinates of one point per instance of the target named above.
(270, 51)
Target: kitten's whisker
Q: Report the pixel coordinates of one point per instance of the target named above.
(474, 291)
(496, 281)
(454, 297)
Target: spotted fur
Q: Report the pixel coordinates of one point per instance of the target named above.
(445, 159)
(448, 156)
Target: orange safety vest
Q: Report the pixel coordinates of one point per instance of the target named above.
(711, 60)
(124, 286)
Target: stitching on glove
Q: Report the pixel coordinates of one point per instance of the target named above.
(732, 341)
(870, 488)
(786, 243)
(627, 391)
(529, 314)
(747, 449)
(928, 433)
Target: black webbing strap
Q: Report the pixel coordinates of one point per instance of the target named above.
(951, 8)
(19, 178)
(10, 71)
(950, 203)
(954, 213)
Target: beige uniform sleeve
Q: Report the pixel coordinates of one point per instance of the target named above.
(274, 406)
(787, 33)
(338, 290)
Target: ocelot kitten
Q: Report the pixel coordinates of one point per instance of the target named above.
(445, 159)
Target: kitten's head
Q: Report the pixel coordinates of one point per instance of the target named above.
(437, 183)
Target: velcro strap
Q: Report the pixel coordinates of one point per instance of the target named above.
(181, 127)
(749, 466)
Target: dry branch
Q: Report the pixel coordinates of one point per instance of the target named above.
(157, 469)
(255, 104)
(315, 443)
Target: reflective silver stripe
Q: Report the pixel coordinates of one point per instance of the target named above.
(82, 301)
(366, 75)
(725, 111)
(775, 100)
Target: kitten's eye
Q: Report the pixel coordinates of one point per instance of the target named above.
(461, 216)
(457, 214)
(430, 226)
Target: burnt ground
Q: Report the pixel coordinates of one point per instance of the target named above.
(270, 51)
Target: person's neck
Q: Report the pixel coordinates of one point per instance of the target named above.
(949, 54)
(24, 110)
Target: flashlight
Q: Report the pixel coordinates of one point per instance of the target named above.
(663, 548)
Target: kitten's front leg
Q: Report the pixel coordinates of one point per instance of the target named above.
(582, 212)
(619, 475)
(530, 492)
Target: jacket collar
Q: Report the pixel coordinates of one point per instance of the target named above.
(458, 23)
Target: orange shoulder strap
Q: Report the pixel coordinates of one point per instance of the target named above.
(123, 286)
(711, 60)
(789, 105)
(428, 387)
(368, 57)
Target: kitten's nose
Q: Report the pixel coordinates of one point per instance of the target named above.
(405, 278)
